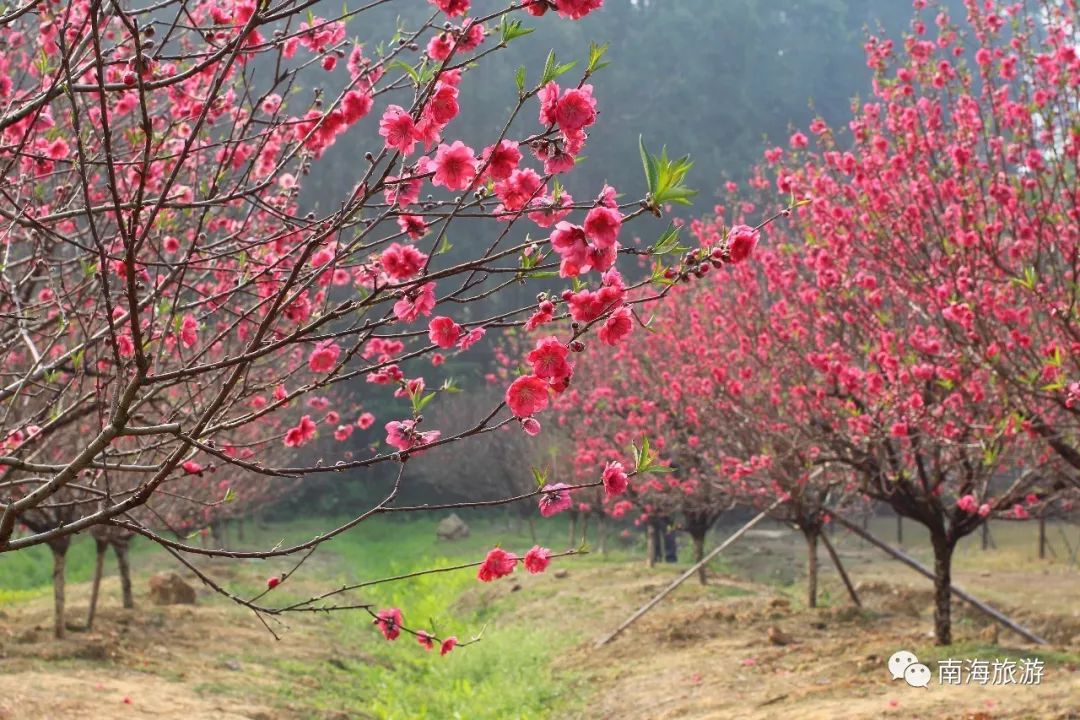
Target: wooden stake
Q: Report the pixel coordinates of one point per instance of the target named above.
(916, 565)
(840, 569)
(689, 573)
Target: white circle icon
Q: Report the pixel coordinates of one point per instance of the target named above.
(900, 661)
(917, 675)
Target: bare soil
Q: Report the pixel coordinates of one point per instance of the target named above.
(705, 652)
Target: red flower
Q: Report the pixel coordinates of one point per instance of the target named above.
(615, 480)
(324, 356)
(548, 360)
(618, 326)
(554, 499)
(742, 239)
(602, 226)
(527, 396)
(401, 262)
(426, 641)
(301, 434)
(537, 559)
(399, 130)
(444, 332)
(497, 564)
(389, 622)
(455, 166)
(448, 645)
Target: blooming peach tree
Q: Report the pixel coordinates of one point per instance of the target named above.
(181, 328)
(932, 271)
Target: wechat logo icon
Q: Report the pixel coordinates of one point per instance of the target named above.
(903, 665)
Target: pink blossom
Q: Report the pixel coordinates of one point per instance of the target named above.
(501, 159)
(189, 331)
(497, 564)
(324, 356)
(602, 226)
(426, 640)
(192, 468)
(389, 622)
(742, 239)
(420, 302)
(444, 332)
(577, 9)
(452, 7)
(554, 499)
(365, 421)
(402, 262)
(403, 435)
(615, 480)
(549, 359)
(448, 645)
(537, 559)
(968, 504)
(399, 130)
(355, 105)
(343, 432)
(455, 166)
(471, 338)
(302, 433)
(618, 326)
(576, 109)
(531, 426)
(443, 105)
(527, 396)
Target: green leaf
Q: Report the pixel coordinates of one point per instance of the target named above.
(444, 246)
(668, 242)
(666, 177)
(409, 69)
(540, 477)
(519, 79)
(596, 52)
(553, 70)
(512, 29)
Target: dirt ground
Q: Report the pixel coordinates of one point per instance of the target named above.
(739, 648)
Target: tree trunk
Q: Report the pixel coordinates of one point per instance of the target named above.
(240, 529)
(573, 529)
(943, 550)
(584, 528)
(601, 529)
(59, 552)
(120, 547)
(699, 555)
(899, 530)
(985, 535)
(99, 566)
(651, 541)
(532, 529)
(811, 535)
(1042, 537)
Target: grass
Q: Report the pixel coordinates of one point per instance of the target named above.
(403, 681)
(516, 671)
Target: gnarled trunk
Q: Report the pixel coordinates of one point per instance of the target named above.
(811, 535)
(95, 586)
(943, 550)
(59, 552)
(120, 547)
(652, 545)
(699, 554)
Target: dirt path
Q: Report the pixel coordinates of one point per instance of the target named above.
(704, 653)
